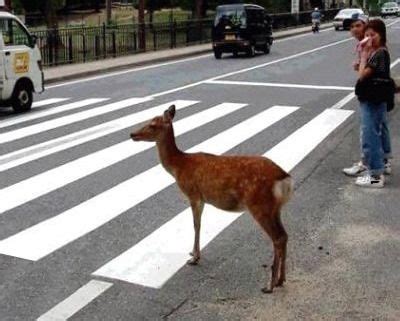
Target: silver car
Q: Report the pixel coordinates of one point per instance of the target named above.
(343, 18)
(390, 9)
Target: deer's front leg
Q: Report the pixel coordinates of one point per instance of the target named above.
(197, 210)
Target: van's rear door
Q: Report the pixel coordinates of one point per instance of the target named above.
(230, 22)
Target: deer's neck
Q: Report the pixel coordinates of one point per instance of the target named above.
(170, 155)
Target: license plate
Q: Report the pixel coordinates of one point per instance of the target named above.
(230, 37)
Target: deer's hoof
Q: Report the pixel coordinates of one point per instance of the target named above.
(266, 290)
(193, 261)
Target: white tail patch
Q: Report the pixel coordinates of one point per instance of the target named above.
(283, 189)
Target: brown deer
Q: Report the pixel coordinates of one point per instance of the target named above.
(231, 183)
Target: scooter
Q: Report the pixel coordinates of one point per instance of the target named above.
(315, 26)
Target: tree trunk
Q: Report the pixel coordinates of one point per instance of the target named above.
(7, 3)
(142, 27)
(96, 5)
(108, 10)
(199, 9)
(50, 15)
(151, 14)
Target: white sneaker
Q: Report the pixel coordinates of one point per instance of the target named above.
(355, 170)
(371, 181)
(388, 168)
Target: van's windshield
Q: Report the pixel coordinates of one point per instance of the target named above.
(390, 5)
(235, 15)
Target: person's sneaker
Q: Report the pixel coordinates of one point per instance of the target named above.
(388, 168)
(355, 170)
(371, 181)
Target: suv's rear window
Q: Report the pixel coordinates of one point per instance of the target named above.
(232, 15)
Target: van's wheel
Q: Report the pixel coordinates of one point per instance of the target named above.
(22, 98)
(235, 54)
(251, 51)
(267, 48)
(217, 54)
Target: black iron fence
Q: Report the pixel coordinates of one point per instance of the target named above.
(81, 44)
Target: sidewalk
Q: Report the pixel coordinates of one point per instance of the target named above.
(67, 72)
(343, 250)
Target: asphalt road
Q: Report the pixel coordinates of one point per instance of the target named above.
(92, 228)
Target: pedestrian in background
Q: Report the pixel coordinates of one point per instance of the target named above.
(371, 90)
(357, 28)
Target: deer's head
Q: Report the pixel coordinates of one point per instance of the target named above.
(156, 128)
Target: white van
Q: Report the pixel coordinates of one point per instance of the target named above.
(21, 71)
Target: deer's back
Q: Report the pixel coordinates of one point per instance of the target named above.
(228, 182)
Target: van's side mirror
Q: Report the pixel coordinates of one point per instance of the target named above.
(34, 39)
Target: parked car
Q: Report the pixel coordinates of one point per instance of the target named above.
(241, 28)
(390, 9)
(343, 18)
(20, 64)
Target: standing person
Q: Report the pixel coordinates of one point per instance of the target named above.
(374, 64)
(357, 28)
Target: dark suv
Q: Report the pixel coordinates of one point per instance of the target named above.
(241, 28)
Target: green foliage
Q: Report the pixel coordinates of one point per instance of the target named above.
(41, 5)
(17, 6)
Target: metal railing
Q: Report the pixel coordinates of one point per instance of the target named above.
(82, 44)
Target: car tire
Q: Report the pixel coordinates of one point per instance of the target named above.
(235, 54)
(217, 54)
(251, 51)
(267, 48)
(337, 28)
(22, 98)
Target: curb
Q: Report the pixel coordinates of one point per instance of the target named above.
(144, 63)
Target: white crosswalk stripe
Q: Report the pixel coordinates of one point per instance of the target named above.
(50, 101)
(46, 148)
(76, 301)
(154, 260)
(50, 111)
(66, 120)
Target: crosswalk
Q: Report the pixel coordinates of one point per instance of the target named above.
(158, 257)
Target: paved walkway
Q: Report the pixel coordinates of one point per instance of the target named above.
(66, 72)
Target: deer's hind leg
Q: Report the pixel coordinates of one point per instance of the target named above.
(268, 219)
(282, 272)
(197, 209)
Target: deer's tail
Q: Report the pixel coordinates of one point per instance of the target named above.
(283, 189)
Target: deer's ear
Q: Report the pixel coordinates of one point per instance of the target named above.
(169, 114)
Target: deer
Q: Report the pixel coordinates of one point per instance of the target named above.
(232, 183)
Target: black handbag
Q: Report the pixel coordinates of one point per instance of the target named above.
(376, 90)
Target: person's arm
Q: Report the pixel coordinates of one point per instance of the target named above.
(369, 63)
(364, 70)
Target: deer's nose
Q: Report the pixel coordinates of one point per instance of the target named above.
(134, 136)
